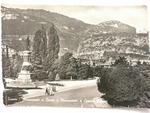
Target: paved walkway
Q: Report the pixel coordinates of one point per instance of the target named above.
(67, 85)
(87, 97)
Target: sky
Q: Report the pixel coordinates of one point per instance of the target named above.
(136, 16)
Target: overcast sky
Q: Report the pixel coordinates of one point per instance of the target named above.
(136, 16)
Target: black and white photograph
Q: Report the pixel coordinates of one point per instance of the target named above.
(75, 56)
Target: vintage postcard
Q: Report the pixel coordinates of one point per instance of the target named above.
(75, 56)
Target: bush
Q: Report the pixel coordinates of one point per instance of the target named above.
(85, 72)
(123, 86)
(102, 82)
(100, 71)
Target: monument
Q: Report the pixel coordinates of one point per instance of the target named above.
(25, 73)
(24, 77)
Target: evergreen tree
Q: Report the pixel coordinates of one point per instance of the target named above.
(6, 64)
(39, 52)
(45, 51)
(125, 86)
(121, 61)
(16, 64)
(71, 70)
(52, 48)
(84, 71)
(64, 65)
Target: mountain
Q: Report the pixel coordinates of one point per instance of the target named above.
(21, 22)
(109, 38)
(112, 39)
(114, 26)
(111, 27)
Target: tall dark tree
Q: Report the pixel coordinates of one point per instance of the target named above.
(28, 43)
(84, 71)
(72, 68)
(39, 52)
(125, 86)
(64, 65)
(7, 68)
(52, 48)
(16, 64)
(45, 51)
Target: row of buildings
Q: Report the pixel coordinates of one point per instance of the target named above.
(96, 58)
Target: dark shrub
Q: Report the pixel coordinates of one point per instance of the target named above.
(124, 86)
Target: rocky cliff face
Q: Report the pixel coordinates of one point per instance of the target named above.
(113, 37)
(110, 27)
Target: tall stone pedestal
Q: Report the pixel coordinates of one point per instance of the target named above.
(25, 75)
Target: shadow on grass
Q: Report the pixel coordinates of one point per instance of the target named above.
(13, 95)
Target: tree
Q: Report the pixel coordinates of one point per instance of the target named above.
(45, 51)
(123, 86)
(52, 48)
(121, 61)
(65, 66)
(54, 71)
(102, 82)
(84, 71)
(145, 48)
(16, 64)
(7, 68)
(68, 67)
(38, 53)
(72, 68)
(99, 71)
(28, 43)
